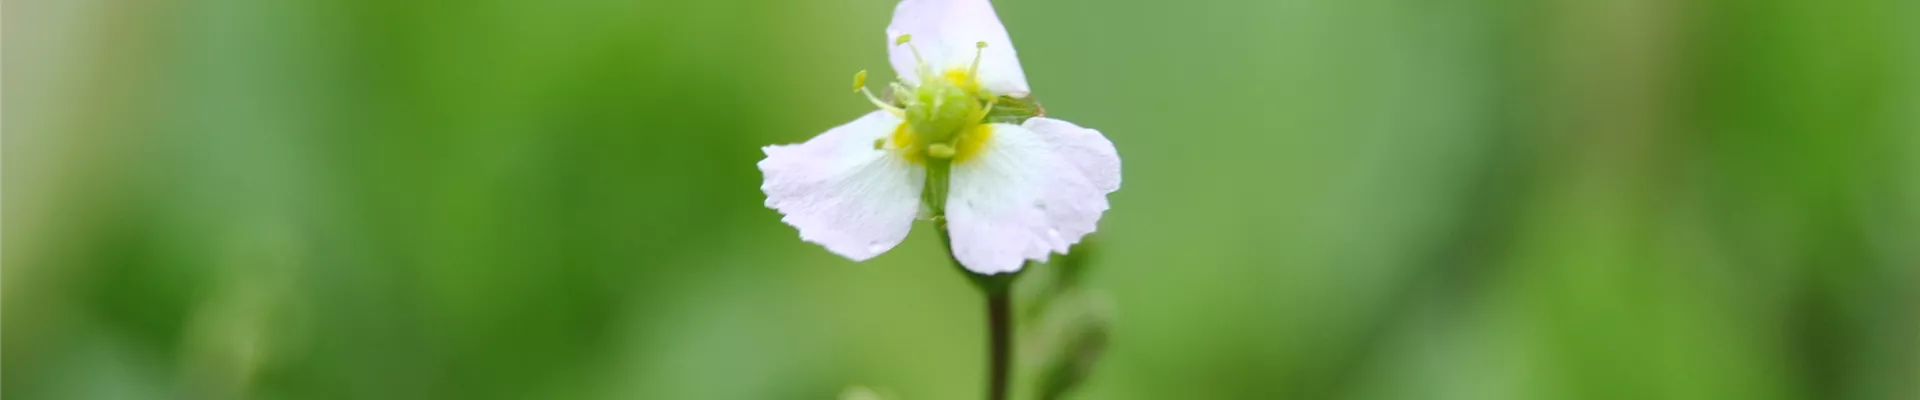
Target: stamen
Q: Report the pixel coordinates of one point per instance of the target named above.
(896, 111)
(973, 72)
(908, 40)
(860, 86)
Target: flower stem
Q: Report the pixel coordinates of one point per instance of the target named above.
(935, 195)
(999, 342)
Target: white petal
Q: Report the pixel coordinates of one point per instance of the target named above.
(843, 193)
(1030, 191)
(946, 32)
(1082, 147)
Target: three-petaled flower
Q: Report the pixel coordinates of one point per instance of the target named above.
(1008, 193)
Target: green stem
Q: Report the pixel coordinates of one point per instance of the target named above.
(999, 342)
(935, 194)
(999, 291)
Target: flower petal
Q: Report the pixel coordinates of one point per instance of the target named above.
(1032, 190)
(842, 192)
(946, 32)
(1084, 148)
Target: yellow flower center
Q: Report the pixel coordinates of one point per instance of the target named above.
(964, 80)
(944, 116)
(967, 143)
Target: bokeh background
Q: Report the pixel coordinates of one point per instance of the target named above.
(1373, 199)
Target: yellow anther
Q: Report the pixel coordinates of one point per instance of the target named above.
(859, 80)
(939, 150)
(902, 39)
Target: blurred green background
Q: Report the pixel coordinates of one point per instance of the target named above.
(1373, 199)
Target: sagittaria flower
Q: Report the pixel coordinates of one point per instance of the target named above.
(1005, 193)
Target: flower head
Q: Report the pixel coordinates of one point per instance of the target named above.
(1008, 192)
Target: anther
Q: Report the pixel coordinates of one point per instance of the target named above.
(859, 81)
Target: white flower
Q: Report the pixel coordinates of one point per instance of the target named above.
(1009, 193)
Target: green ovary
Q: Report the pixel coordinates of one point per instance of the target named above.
(944, 118)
